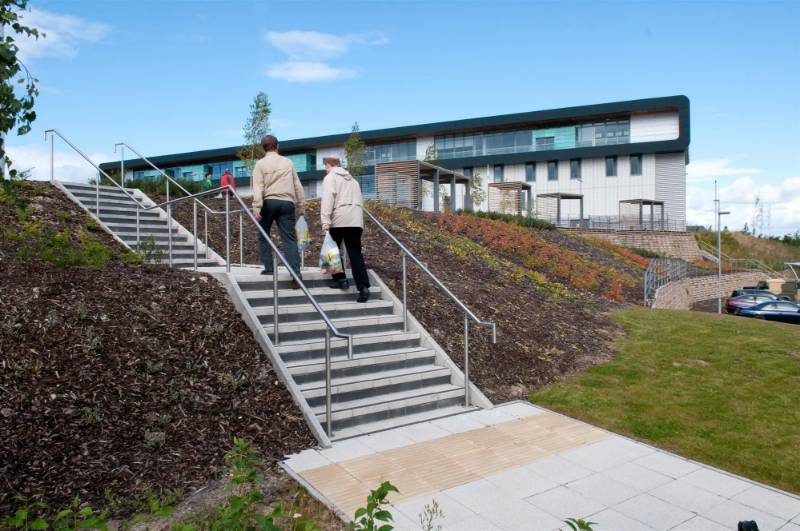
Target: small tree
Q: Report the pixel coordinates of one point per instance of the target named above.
(477, 193)
(17, 87)
(431, 155)
(355, 152)
(255, 127)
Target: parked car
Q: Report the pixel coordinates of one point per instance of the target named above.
(756, 291)
(784, 311)
(734, 304)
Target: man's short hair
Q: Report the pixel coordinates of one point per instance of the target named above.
(269, 143)
(333, 161)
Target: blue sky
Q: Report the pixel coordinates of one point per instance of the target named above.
(179, 76)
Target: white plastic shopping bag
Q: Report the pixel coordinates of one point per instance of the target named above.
(302, 233)
(330, 259)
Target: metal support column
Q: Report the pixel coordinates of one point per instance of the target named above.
(453, 195)
(241, 239)
(51, 157)
(194, 231)
(169, 232)
(405, 293)
(436, 191)
(205, 239)
(275, 333)
(227, 232)
(328, 408)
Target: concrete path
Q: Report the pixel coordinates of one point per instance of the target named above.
(521, 467)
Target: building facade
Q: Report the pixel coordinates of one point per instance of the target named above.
(616, 156)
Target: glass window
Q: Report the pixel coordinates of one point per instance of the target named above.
(575, 169)
(188, 175)
(498, 173)
(530, 171)
(545, 142)
(552, 170)
(636, 164)
(611, 166)
(468, 171)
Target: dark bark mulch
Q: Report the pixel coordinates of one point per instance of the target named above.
(122, 382)
(540, 338)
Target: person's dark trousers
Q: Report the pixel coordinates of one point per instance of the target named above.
(352, 240)
(282, 213)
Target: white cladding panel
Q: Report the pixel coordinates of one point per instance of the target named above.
(329, 152)
(655, 126)
(671, 186)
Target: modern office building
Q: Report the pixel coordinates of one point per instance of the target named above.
(622, 159)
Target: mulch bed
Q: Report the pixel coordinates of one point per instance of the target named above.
(540, 338)
(125, 381)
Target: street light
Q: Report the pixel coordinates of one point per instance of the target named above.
(719, 259)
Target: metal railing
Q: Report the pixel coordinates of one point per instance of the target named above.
(277, 257)
(730, 264)
(468, 314)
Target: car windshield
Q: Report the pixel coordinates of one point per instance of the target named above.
(778, 306)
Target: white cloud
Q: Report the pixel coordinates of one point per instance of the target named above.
(63, 34)
(308, 53)
(780, 213)
(308, 71)
(67, 166)
(710, 169)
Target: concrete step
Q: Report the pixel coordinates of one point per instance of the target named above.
(305, 371)
(124, 212)
(334, 310)
(117, 197)
(405, 420)
(314, 350)
(110, 202)
(305, 330)
(377, 385)
(86, 187)
(264, 282)
(149, 228)
(160, 239)
(259, 298)
(390, 406)
(127, 220)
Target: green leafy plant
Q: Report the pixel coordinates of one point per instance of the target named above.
(149, 251)
(369, 518)
(355, 153)
(577, 524)
(256, 126)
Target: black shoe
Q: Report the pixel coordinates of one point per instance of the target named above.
(363, 295)
(295, 284)
(339, 284)
(265, 272)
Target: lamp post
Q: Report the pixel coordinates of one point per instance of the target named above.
(719, 249)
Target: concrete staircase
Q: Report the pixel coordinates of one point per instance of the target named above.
(395, 377)
(117, 215)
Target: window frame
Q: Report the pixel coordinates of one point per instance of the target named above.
(502, 173)
(640, 159)
(530, 177)
(613, 159)
(572, 164)
(552, 176)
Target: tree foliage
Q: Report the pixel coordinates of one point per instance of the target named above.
(477, 193)
(255, 127)
(355, 152)
(18, 88)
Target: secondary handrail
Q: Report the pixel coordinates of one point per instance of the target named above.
(468, 314)
(276, 256)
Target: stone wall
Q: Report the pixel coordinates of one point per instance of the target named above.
(666, 243)
(681, 294)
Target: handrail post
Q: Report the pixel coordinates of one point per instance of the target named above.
(466, 360)
(194, 230)
(122, 167)
(405, 294)
(275, 332)
(97, 196)
(328, 408)
(350, 347)
(227, 231)
(169, 232)
(137, 227)
(51, 156)
(241, 240)
(205, 212)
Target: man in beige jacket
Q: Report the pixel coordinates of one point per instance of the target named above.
(277, 197)
(341, 215)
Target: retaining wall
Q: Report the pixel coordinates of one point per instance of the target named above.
(667, 243)
(681, 294)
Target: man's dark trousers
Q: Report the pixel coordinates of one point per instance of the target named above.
(352, 240)
(281, 212)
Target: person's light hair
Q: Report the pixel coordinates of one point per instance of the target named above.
(333, 161)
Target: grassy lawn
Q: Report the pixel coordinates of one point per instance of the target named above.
(723, 390)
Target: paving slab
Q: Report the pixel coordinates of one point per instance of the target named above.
(521, 467)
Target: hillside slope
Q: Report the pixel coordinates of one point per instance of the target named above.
(740, 245)
(548, 291)
(119, 381)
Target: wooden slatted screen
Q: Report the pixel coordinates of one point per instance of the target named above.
(398, 184)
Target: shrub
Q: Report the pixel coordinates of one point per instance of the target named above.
(522, 221)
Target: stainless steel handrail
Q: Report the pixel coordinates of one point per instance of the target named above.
(276, 256)
(468, 314)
